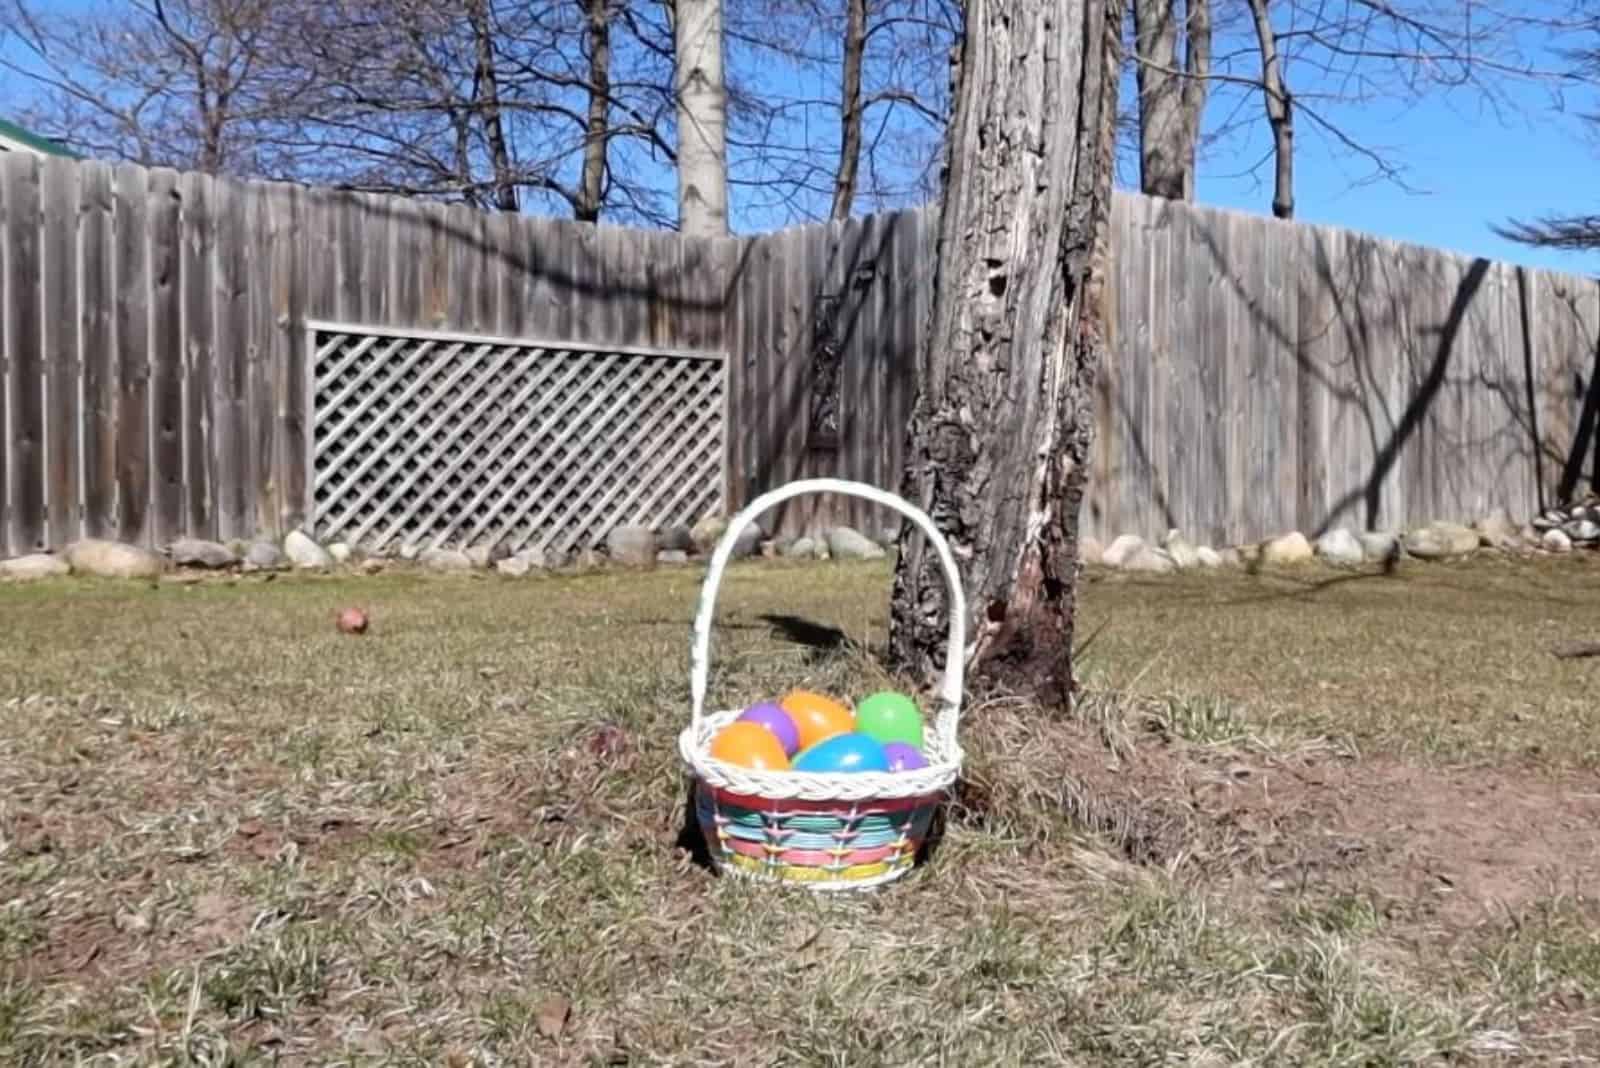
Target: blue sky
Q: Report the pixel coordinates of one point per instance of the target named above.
(1469, 168)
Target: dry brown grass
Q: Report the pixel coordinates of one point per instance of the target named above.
(1436, 662)
(229, 834)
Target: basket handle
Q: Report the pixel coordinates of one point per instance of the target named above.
(955, 657)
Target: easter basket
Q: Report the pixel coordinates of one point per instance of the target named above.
(824, 830)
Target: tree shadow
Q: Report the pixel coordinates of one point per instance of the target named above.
(819, 637)
(1388, 403)
(690, 838)
(1585, 443)
(804, 296)
(1370, 492)
(768, 301)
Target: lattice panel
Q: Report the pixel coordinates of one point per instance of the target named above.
(445, 440)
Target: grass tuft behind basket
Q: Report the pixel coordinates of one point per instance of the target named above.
(840, 831)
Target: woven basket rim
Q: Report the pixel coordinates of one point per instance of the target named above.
(846, 788)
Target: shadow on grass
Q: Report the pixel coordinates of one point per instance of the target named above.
(690, 840)
(817, 636)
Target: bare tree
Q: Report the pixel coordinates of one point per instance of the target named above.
(567, 106)
(855, 47)
(1280, 111)
(591, 188)
(702, 118)
(835, 103)
(1172, 94)
(499, 103)
(1364, 53)
(1312, 64)
(1000, 440)
(486, 101)
(194, 84)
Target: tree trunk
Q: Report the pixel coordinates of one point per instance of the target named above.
(487, 92)
(855, 44)
(702, 119)
(591, 183)
(1280, 112)
(1001, 432)
(1197, 67)
(1171, 96)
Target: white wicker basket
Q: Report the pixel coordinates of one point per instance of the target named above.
(828, 831)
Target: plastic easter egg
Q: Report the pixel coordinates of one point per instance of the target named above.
(817, 718)
(843, 752)
(777, 721)
(749, 745)
(903, 757)
(890, 717)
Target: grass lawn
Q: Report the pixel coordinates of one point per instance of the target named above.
(1307, 819)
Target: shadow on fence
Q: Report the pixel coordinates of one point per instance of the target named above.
(1264, 374)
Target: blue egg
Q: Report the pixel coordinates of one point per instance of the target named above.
(843, 752)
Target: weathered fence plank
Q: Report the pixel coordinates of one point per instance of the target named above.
(1315, 314)
(586, 312)
(287, 205)
(410, 247)
(97, 349)
(508, 269)
(59, 181)
(198, 241)
(133, 352)
(232, 285)
(352, 240)
(465, 265)
(24, 343)
(261, 402)
(911, 278)
(167, 515)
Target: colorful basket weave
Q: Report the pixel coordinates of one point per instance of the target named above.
(839, 831)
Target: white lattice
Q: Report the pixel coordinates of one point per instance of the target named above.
(438, 439)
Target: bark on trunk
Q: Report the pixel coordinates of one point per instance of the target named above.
(1280, 112)
(1171, 96)
(855, 44)
(1002, 430)
(591, 183)
(487, 86)
(702, 119)
(1197, 67)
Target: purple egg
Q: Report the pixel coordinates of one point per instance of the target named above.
(778, 722)
(903, 757)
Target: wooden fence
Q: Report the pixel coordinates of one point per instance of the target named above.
(830, 316)
(155, 361)
(156, 372)
(1264, 376)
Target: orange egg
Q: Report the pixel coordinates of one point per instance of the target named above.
(749, 745)
(816, 717)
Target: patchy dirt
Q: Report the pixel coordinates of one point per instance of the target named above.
(1449, 843)
(1475, 838)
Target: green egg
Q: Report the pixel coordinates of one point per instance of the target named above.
(890, 717)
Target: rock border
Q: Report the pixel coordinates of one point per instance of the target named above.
(630, 548)
(1557, 531)
(188, 560)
